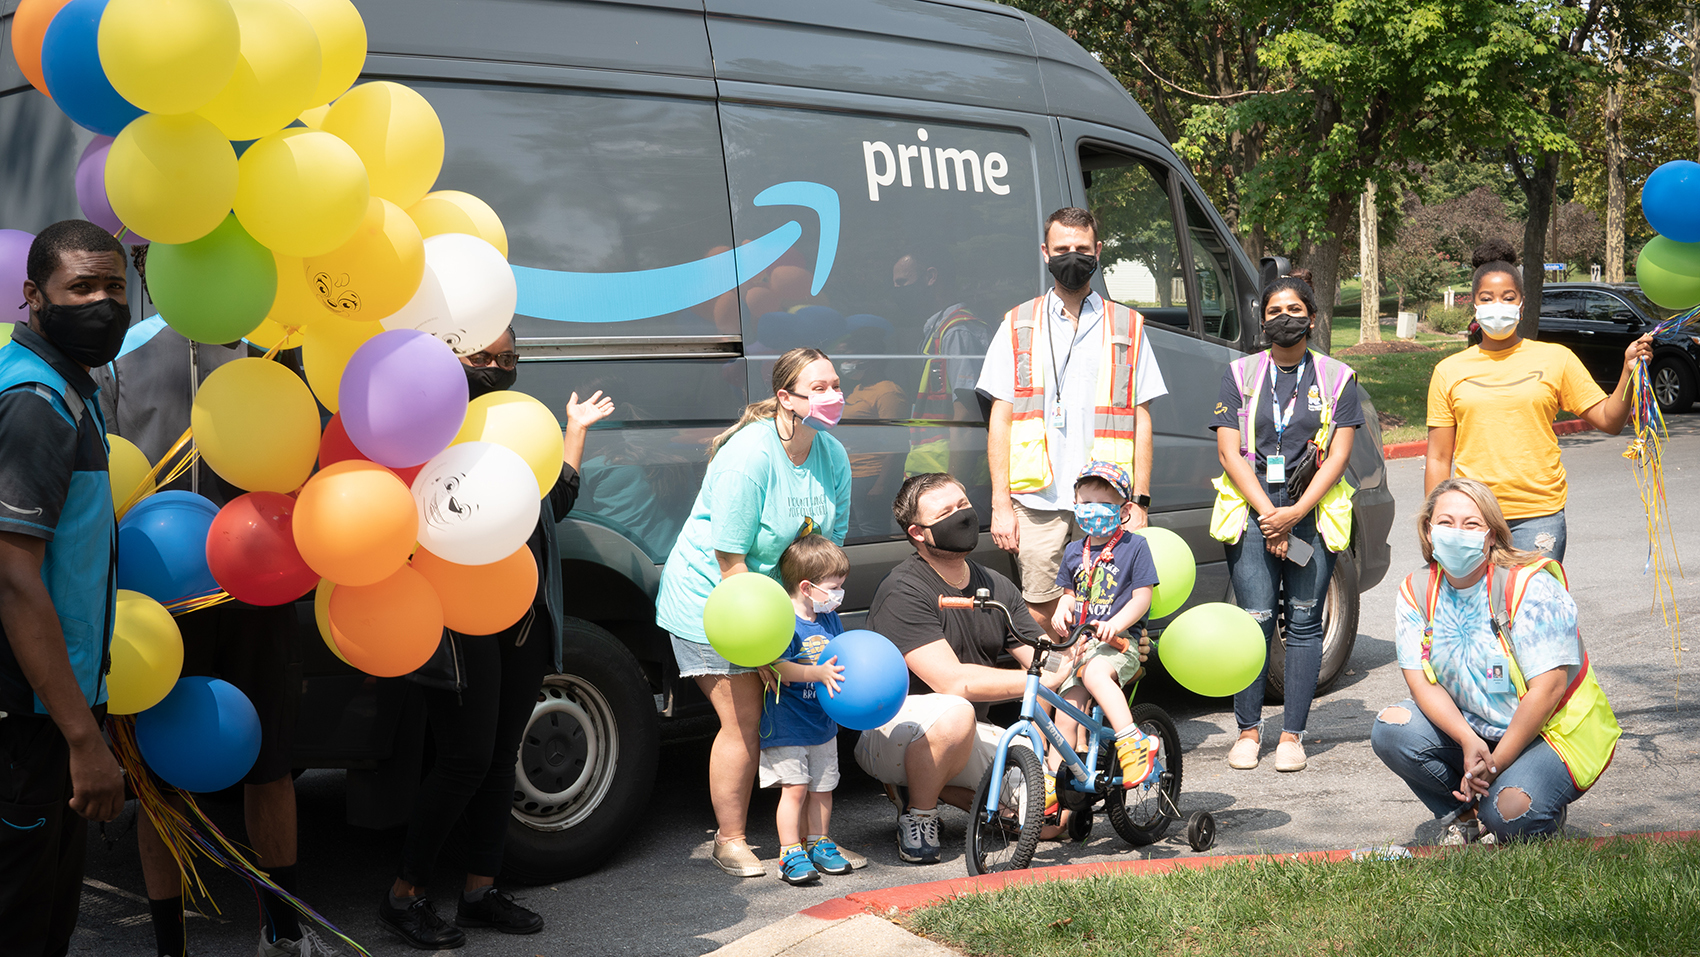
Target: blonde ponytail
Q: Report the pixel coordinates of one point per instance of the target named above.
(785, 374)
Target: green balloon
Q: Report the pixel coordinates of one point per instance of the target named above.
(1669, 273)
(1214, 649)
(749, 619)
(215, 289)
(1177, 571)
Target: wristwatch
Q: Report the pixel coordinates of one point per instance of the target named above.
(1143, 501)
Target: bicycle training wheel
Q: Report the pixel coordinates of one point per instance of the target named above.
(1141, 815)
(1006, 842)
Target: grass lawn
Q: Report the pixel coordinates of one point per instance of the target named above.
(1559, 898)
(1397, 381)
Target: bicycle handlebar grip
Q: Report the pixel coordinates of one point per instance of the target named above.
(955, 601)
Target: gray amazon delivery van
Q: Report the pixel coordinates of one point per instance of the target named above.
(692, 187)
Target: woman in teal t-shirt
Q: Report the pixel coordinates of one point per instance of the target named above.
(768, 476)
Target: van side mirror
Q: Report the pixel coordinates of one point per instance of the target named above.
(1271, 268)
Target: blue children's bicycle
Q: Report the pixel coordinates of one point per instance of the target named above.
(1009, 805)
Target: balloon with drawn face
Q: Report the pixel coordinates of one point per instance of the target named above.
(477, 503)
(466, 297)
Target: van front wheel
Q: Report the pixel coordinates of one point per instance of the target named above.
(586, 764)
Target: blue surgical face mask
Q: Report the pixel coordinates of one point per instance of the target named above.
(1097, 519)
(1458, 550)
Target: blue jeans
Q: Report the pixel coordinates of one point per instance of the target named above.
(1433, 765)
(1256, 574)
(1539, 533)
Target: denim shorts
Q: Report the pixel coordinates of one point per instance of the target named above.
(697, 658)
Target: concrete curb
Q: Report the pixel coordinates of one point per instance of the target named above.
(1411, 450)
(862, 922)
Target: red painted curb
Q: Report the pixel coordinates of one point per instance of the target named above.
(1411, 450)
(910, 896)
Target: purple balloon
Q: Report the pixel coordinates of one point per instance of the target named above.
(14, 257)
(403, 397)
(91, 190)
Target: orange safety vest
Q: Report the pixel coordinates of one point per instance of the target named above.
(1113, 412)
(929, 446)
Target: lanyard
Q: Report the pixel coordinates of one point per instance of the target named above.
(1089, 567)
(1281, 421)
(1051, 344)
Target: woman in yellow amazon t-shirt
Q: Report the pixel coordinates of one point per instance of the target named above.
(1491, 407)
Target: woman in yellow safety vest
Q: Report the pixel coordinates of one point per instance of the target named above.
(1276, 408)
(1505, 725)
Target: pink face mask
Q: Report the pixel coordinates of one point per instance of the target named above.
(826, 408)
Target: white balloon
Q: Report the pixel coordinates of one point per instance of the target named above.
(477, 503)
(467, 296)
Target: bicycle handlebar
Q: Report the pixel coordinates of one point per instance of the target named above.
(949, 601)
(983, 601)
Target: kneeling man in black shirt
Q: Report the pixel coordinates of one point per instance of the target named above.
(939, 746)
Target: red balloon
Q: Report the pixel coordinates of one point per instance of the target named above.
(251, 550)
(336, 446)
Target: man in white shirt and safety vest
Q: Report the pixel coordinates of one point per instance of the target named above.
(1071, 379)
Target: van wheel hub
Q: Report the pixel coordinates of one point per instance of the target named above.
(567, 757)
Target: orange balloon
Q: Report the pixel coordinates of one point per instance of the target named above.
(29, 28)
(481, 599)
(388, 628)
(355, 522)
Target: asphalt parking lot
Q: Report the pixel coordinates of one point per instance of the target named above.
(660, 896)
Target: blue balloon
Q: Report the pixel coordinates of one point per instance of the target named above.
(1671, 201)
(876, 680)
(162, 547)
(203, 737)
(70, 62)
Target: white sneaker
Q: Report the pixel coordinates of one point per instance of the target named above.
(1243, 755)
(1290, 756)
(1461, 834)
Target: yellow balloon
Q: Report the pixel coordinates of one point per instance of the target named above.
(171, 178)
(326, 347)
(452, 211)
(302, 192)
(5, 332)
(396, 133)
(342, 43)
(314, 118)
(169, 56)
(376, 272)
(147, 654)
(521, 423)
(126, 466)
(256, 426)
(276, 75)
(268, 335)
(322, 615)
(296, 306)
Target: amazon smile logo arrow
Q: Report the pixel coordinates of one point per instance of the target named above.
(625, 296)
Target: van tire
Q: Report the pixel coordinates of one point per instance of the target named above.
(598, 713)
(1339, 633)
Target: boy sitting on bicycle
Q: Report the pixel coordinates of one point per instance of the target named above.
(1107, 580)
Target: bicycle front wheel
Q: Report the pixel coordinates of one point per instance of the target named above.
(1005, 840)
(1141, 815)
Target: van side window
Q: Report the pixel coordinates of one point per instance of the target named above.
(1212, 269)
(1141, 258)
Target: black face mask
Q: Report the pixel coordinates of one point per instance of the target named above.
(1072, 270)
(913, 301)
(90, 333)
(483, 380)
(957, 532)
(1286, 329)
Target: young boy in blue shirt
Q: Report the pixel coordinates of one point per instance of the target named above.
(1107, 579)
(799, 751)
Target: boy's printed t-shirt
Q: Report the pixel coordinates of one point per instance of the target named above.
(1502, 405)
(1543, 637)
(1103, 591)
(797, 718)
(753, 502)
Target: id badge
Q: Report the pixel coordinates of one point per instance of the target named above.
(1496, 675)
(1276, 473)
(1058, 417)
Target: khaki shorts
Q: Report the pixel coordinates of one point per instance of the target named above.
(815, 765)
(881, 752)
(1043, 536)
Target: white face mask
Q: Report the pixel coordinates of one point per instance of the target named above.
(1498, 320)
(834, 598)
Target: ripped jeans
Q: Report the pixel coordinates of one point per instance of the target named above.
(1256, 574)
(1433, 765)
(1540, 533)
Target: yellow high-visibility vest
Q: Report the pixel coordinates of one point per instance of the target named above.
(1113, 413)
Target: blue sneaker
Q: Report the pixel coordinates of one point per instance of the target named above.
(795, 869)
(827, 859)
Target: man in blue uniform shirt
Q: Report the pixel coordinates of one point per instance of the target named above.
(58, 556)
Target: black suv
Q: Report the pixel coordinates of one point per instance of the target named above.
(1599, 320)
